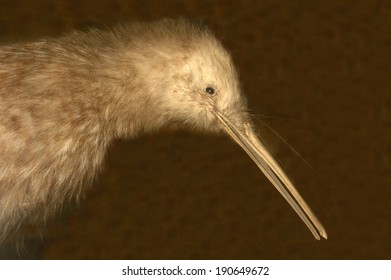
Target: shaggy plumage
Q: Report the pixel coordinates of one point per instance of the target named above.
(62, 101)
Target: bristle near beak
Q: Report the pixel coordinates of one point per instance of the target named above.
(248, 140)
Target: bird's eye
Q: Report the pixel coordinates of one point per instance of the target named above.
(210, 90)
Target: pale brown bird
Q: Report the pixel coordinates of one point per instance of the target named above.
(62, 101)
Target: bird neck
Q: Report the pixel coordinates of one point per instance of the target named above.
(134, 82)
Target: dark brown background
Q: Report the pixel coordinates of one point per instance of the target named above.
(320, 69)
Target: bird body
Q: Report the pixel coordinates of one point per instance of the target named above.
(64, 100)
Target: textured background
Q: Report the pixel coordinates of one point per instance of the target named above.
(318, 73)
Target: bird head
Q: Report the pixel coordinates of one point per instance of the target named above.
(198, 87)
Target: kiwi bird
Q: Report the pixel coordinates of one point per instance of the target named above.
(63, 100)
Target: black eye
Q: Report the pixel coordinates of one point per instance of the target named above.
(210, 90)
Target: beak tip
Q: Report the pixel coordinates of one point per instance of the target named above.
(321, 233)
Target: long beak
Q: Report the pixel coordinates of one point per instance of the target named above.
(248, 140)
